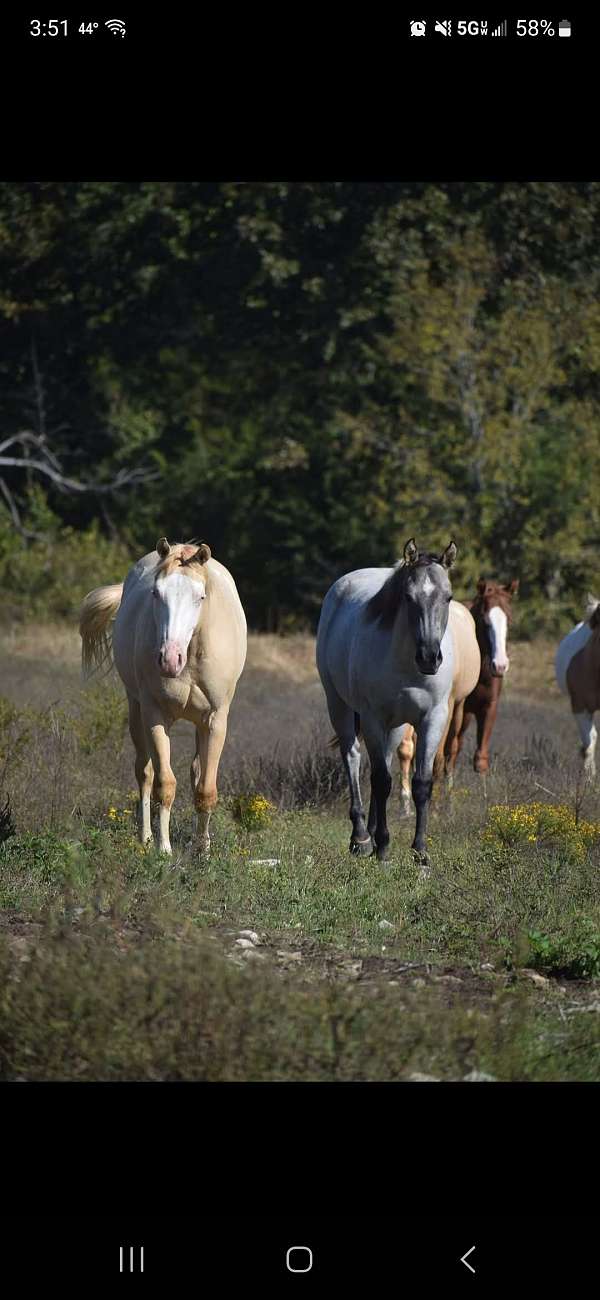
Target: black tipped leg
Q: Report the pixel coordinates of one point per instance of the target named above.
(382, 851)
(421, 792)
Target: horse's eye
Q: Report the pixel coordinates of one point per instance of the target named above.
(155, 593)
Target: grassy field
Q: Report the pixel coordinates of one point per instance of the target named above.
(284, 958)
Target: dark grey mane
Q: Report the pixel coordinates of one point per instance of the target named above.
(384, 604)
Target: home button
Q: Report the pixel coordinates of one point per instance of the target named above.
(299, 1259)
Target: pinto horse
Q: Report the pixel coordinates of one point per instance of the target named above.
(577, 667)
(491, 611)
(386, 656)
(179, 646)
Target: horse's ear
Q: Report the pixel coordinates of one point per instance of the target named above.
(202, 554)
(163, 548)
(481, 586)
(591, 605)
(512, 587)
(410, 551)
(449, 555)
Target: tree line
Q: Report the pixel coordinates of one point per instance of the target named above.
(303, 375)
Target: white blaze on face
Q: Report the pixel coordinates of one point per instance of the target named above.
(428, 585)
(497, 623)
(177, 601)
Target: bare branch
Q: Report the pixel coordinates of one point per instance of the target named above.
(48, 464)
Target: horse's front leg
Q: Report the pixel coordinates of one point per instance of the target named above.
(143, 768)
(429, 735)
(485, 725)
(210, 739)
(165, 785)
(589, 736)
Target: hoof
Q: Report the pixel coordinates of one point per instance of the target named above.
(381, 853)
(422, 859)
(361, 847)
(201, 848)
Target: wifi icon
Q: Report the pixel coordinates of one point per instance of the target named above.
(117, 26)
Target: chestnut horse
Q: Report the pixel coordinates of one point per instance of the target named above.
(492, 613)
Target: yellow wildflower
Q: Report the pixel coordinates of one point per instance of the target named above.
(253, 811)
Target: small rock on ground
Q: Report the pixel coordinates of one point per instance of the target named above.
(479, 1076)
(422, 1078)
(251, 935)
(535, 977)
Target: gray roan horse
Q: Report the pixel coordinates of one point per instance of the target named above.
(385, 658)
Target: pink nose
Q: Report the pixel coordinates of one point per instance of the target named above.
(171, 659)
(500, 667)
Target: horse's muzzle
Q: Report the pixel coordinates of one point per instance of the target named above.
(171, 659)
(428, 661)
(500, 669)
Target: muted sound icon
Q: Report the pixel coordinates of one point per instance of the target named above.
(131, 1259)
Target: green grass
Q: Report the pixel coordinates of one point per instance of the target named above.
(133, 971)
(119, 963)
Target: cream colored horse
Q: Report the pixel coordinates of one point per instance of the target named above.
(179, 646)
(467, 665)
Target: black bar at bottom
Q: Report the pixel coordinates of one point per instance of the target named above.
(140, 1253)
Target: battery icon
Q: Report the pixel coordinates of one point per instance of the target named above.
(564, 27)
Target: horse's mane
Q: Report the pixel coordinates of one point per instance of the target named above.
(384, 604)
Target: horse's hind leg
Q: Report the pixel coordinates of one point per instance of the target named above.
(406, 753)
(143, 768)
(381, 754)
(429, 735)
(210, 739)
(345, 724)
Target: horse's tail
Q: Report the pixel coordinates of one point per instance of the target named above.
(334, 743)
(97, 610)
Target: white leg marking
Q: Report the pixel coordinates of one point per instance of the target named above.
(145, 825)
(589, 736)
(164, 819)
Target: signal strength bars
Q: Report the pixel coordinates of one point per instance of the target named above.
(501, 29)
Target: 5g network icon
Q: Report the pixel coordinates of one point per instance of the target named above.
(417, 27)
